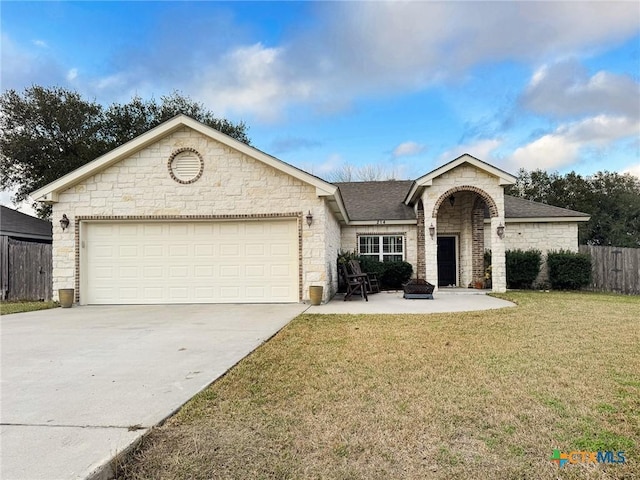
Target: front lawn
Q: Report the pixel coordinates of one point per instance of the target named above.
(474, 395)
(19, 307)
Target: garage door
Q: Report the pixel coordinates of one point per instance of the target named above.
(190, 262)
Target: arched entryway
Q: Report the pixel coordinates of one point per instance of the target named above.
(459, 215)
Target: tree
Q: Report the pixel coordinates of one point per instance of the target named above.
(364, 173)
(46, 132)
(612, 199)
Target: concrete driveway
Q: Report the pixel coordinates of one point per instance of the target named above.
(80, 385)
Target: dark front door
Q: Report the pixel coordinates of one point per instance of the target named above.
(446, 261)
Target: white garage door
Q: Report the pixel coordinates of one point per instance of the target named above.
(190, 262)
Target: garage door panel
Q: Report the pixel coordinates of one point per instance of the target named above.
(191, 262)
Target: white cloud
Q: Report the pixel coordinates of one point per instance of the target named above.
(563, 146)
(23, 66)
(354, 49)
(6, 199)
(72, 74)
(252, 79)
(565, 89)
(633, 170)
(40, 43)
(406, 149)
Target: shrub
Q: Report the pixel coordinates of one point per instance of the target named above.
(395, 274)
(522, 267)
(569, 270)
(392, 275)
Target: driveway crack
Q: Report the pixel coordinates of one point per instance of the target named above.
(131, 428)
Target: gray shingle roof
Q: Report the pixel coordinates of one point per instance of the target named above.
(385, 201)
(515, 207)
(376, 200)
(19, 225)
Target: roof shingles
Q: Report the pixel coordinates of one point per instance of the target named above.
(384, 200)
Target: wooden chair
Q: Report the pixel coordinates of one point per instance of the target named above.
(371, 279)
(355, 283)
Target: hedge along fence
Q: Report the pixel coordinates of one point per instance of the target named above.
(568, 270)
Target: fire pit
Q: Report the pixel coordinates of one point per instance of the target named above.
(418, 288)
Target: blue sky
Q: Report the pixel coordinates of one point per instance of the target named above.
(402, 86)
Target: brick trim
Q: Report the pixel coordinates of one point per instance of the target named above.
(421, 267)
(129, 218)
(493, 208)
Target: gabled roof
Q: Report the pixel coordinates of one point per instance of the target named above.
(373, 201)
(19, 225)
(49, 193)
(519, 208)
(376, 200)
(504, 178)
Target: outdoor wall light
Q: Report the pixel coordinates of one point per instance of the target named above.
(432, 230)
(501, 230)
(452, 200)
(64, 222)
(309, 218)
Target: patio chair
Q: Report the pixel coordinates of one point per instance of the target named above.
(356, 283)
(371, 279)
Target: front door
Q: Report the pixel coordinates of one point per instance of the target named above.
(446, 261)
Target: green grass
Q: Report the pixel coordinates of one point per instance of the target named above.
(484, 395)
(7, 308)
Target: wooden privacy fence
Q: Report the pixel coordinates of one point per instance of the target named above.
(614, 269)
(25, 270)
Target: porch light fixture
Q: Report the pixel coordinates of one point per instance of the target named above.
(64, 222)
(452, 200)
(501, 230)
(309, 218)
(432, 230)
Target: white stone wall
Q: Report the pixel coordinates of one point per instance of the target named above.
(350, 238)
(332, 247)
(231, 184)
(543, 236)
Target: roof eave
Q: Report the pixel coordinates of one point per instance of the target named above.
(542, 219)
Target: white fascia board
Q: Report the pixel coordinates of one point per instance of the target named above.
(542, 219)
(382, 222)
(503, 177)
(334, 197)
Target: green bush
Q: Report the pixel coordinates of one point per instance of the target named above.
(395, 274)
(569, 270)
(392, 275)
(522, 267)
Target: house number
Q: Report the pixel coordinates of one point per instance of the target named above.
(380, 222)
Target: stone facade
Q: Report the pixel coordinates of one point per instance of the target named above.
(467, 184)
(240, 183)
(543, 236)
(232, 185)
(350, 235)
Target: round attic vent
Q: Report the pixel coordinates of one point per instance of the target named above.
(185, 165)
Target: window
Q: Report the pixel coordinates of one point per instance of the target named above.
(385, 248)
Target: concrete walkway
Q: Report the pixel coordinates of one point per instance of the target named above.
(445, 300)
(80, 385)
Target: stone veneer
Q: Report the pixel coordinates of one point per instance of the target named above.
(466, 182)
(410, 232)
(232, 185)
(543, 236)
